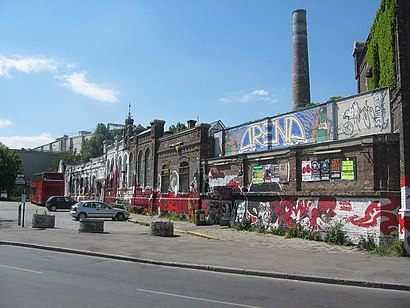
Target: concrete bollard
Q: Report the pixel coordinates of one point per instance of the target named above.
(161, 228)
(43, 221)
(91, 225)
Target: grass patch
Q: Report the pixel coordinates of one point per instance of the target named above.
(335, 234)
(394, 247)
(175, 216)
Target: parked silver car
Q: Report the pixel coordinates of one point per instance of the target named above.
(97, 209)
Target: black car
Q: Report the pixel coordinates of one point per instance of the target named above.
(59, 202)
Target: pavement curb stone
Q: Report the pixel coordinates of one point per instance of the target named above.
(220, 269)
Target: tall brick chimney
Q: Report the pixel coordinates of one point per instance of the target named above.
(300, 67)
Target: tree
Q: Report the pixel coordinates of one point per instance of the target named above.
(10, 167)
(68, 158)
(93, 147)
(177, 127)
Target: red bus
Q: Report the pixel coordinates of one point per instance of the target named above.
(46, 184)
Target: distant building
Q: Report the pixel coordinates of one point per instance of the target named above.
(35, 161)
(71, 144)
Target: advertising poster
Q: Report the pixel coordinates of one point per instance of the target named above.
(335, 169)
(271, 173)
(306, 171)
(325, 170)
(257, 175)
(315, 166)
(284, 173)
(348, 169)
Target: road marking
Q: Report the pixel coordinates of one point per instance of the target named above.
(20, 269)
(196, 298)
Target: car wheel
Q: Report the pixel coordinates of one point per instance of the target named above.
(53, 208)
(119, 216)
(82, 216)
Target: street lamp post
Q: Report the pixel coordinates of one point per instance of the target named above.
(21, 182)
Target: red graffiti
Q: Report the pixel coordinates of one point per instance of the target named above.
(347, 208)
(182, 203)
(370, 216)
(404, 228)
(404, 223)
(404, 181)
(389, 220)
(234, 185)
(216, 174)
(284, 209)
(389, 223)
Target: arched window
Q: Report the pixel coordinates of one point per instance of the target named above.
(147, 169)
(119, 172)
(131, 171)
(139, 166)
(184, 177)
(125, 171)
(93, 185)
(164, 178)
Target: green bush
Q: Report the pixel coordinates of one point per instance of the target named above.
(380, 54)
(389, 248)
(300, 232)
(394, 249)
(336, 235)
(244, 225)
(278, 231)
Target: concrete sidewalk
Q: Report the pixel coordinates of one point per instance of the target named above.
(221, 249)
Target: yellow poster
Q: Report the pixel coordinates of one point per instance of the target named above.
(348, 169)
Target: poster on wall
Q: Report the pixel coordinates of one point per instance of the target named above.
(284, 173)
(335, 169)
(315, 166)
(325, 170)
(348, 169)
(271, 173)
(257, 175)
(306, 171)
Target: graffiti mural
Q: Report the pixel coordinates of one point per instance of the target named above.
(305, 126)
(217, 211)
(360, 217)
(217, 178)
(364, 114)
(404, 213)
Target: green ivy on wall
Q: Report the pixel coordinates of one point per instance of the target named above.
(380, 53)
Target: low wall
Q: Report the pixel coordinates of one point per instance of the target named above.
(360, 217)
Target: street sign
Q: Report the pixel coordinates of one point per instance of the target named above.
(20, 180)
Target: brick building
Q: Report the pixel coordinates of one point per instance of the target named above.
(383, 60)
(341, 161)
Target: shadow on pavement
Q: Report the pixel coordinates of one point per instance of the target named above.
(7, 223)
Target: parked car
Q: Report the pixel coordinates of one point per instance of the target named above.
(59, 202)
(97, 209)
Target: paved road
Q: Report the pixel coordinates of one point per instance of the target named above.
(32, 278)
(230, 250)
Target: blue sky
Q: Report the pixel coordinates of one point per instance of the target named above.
(67, 65)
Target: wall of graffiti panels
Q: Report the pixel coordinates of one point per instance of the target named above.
(305, 126)
(360, 217)
(364, 114)
(360, 115)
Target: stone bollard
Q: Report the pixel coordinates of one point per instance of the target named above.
(43, 220)
(161, 228)
(91, 225)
